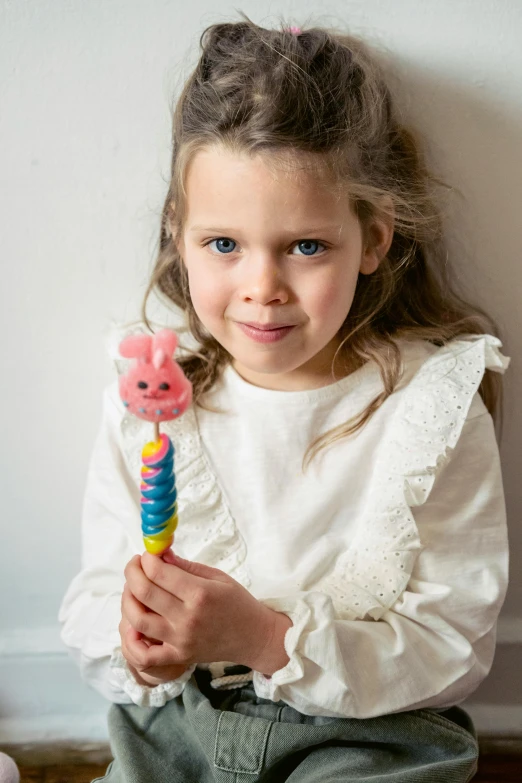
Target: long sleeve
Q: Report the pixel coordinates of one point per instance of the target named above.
(435, 644)
(90, 612)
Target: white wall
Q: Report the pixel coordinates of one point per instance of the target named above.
(85, 90)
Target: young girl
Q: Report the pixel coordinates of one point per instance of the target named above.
(341, 557)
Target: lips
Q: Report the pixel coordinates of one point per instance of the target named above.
(265, 334)
(265, 327)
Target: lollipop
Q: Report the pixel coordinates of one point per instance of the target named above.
(155, 389)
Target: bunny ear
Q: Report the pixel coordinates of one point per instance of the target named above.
(136, 346)
(165, 340)
(159, 358)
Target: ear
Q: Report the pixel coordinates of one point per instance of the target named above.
(136, 346)
(164, 341)
(377, 240)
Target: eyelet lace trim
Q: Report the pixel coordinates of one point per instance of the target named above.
(371, 575)
(207, 532)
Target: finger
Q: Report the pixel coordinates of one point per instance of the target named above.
(196, 569)
(149, 642)
(144, 622)
(124, 624)
(168, 557)
(149, 593)
(137, 636)
(177, 581)
(160, 655)
(143, 657)
(133, 647)
(133, 563)
(164, 673)
(130, 634)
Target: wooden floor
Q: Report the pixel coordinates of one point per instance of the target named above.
(492, 769)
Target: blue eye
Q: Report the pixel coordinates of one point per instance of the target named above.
(226, 244)
(308, 245)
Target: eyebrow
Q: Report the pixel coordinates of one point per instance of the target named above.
(313, 229)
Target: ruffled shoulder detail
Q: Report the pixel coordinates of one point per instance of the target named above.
(373, 572)
(207, 532)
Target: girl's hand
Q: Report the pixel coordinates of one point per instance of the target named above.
(133, 647)
(201, 614)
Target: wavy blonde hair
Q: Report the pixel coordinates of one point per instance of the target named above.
(320, 99)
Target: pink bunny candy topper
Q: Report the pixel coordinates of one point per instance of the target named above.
(155, 387)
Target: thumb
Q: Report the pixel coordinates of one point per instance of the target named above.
(196, 569)
(168, 556)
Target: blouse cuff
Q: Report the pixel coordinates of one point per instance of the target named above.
(144, 695)
(301, 616)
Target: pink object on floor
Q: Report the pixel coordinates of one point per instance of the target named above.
(8, 770)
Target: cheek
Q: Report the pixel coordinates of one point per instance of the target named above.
(207, 294)
(331, 298)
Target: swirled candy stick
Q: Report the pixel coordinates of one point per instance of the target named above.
(159, 518)
(156, 389)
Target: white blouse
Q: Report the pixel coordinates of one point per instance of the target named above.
(390, 554)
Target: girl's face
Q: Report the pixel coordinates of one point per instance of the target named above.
(268, 249)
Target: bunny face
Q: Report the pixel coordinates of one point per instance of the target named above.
(155, 387)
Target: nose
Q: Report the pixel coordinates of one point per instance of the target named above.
(263, 280)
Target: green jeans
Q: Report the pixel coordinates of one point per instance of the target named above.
(209, 736)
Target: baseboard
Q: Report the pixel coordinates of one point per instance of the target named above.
(83, 730)
(42, 754)
(509, 630)
(494, 721)
(75, 753)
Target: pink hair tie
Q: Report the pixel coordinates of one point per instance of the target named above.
(294, 30)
